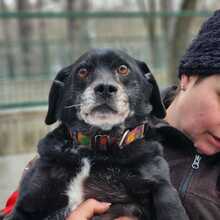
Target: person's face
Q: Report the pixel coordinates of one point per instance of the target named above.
(199, 112)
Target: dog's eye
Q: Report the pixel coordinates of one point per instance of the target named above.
(83, 73)
(122, 70)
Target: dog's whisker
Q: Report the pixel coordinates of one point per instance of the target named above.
(71, 106)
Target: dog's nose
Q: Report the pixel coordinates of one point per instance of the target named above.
(105, 90)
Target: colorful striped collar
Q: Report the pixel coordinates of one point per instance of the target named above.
(104, 141)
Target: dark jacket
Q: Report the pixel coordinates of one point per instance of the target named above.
(195, 176)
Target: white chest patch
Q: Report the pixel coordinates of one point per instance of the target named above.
(75, 189)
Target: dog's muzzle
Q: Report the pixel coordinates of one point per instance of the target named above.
(104, 105)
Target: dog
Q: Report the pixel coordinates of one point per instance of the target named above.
(105, 102)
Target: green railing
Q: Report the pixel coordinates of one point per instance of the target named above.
(101, 14)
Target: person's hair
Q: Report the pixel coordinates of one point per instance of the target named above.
(198, 80)
(173, 91)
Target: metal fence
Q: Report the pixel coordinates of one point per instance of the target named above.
(35, 45)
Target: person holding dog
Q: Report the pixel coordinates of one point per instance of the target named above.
(191, 131)
(192, 134)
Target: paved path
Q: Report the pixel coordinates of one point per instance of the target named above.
(11, 168)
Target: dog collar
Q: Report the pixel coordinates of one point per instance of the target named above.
(103, 141)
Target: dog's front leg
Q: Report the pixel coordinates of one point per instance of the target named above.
(167, 203)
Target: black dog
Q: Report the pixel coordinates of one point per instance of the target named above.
(105, 102)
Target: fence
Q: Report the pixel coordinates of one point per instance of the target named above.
(35, 45)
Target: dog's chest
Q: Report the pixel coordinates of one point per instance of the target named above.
(104, 183)
(75, 190)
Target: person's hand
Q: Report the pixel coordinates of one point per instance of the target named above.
(92, 207)
(88, 209)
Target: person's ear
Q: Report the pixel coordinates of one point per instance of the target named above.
(155, 98)
(56, 94)
(185, 81)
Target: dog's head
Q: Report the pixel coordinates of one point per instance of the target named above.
(104, 88)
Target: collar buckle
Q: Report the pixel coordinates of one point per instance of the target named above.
(131, 135)
(102, 141)
(123, 139)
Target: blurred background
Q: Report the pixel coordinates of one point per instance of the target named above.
(39, 37)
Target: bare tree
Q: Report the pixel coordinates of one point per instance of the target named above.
(8, 40)
(43, 39)
(150, 27)
(172, 31)
(75, 29)
(71, 23)
(24, 32)
(85, 5)
(178, 40)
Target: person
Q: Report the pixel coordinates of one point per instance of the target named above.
(190, 132)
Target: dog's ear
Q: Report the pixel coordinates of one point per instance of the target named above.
(55, 95)
(155, 98)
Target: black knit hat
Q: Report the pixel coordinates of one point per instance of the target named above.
(203, 55)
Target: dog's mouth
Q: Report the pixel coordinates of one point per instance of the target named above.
(105, 116)
(104, 113)
(104, 109)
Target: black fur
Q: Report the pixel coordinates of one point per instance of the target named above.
(134, 179)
